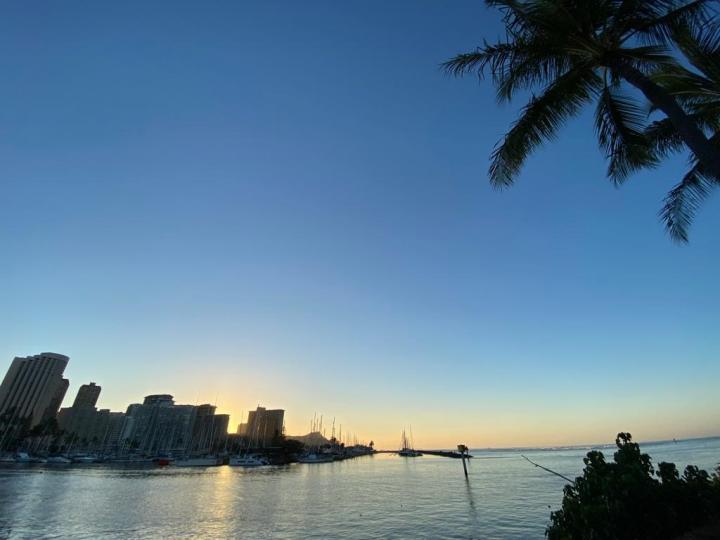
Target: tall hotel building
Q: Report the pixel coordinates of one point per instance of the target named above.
(34, 387)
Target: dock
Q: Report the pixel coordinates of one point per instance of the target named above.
(443, 453)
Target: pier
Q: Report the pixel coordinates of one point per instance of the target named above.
(443, 453)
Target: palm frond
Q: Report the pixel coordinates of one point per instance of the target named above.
(539, 121)
(655, 21)
(531, 17)
(701, 48)
(663, 138)
(648, 58)
(687, 85)
(699, 90)
(528, 72)
(478, 60)
(619, 123)
(706, 113)
(513, 66)
(683, 202)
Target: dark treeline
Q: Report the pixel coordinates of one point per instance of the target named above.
(628, 498)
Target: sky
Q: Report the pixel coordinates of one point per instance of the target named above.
(286, 204)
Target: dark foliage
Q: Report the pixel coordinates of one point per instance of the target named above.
(570, 54)
(291, 447)
(629, 499)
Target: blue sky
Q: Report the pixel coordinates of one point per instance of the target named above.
(287, 203)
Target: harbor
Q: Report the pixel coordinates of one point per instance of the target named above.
(247, 453)
(254, 458)
(376, 496)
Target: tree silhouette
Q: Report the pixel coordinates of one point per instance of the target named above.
(582, 51)
(627, 499)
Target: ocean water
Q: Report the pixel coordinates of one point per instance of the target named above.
(381, 496)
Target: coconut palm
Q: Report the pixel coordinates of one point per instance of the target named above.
(584, 51)
(699, 93)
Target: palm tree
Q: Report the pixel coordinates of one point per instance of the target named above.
(699, 92)
(583, 51)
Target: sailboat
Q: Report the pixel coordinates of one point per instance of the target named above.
(317, 453)
(246, 459)
(407, 449)
(316, 457)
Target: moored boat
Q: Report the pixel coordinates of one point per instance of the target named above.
(23, 457)
(130, 460)
(252, 460)
(207, 461)
(407, 449)
(84, 458)
(57, 460)
(315, 457)
(163, 460)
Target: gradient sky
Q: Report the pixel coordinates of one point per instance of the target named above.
(286, 203)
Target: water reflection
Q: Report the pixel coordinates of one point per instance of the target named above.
(472, 509)
(374, 497)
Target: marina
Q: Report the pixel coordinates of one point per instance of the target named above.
(356, 499)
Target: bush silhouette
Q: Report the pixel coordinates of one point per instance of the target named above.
(628, 499)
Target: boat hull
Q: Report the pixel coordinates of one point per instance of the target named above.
(197, 462)
(409, 453)
(316, 458)
(248, 461)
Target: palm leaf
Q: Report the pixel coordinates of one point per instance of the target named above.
(662, 136)
(683, 202)
(702, 49)
(480, 59)
(513, 66)
(649, 58)
(619, 124)
(539, 121)
(655, 21)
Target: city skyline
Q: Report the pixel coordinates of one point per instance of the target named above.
(188, 208)
(88, 393)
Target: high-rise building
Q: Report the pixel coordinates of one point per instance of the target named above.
(84, 426)
(263, 425)
(209, 430)
(111, 426)
(220, 430)
(158, 425)
(33, 387)
(87, 395)
(161, 400)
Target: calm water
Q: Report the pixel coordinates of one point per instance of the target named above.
(381, 496)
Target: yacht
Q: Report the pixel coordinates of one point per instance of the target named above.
(84, 458)
(58, 460)
(407, 449)
(23, 457)
(208, 461)
(248, 461)
(131, 460)
(314, 457)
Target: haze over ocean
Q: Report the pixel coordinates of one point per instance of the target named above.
(287, 203)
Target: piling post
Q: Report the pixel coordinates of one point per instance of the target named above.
(463, 452)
